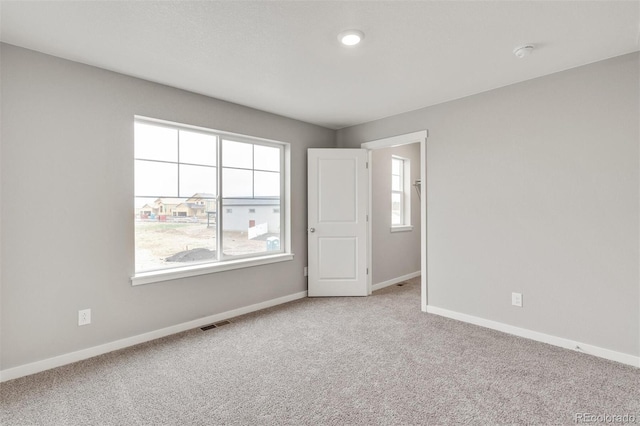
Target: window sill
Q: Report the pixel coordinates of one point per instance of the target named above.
(402, 228)
(209, 268)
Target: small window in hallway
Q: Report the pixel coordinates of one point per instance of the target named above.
(400, 195)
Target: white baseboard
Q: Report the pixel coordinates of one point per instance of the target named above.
(47, 364)
(540, 337)
(394, 281)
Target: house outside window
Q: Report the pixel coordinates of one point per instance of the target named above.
(196, 173)
(400, 193)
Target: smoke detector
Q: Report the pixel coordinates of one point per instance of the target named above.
(523, 51)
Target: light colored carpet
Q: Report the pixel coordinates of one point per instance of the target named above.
(329, 361)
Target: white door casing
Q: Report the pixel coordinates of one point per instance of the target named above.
(409, 138)
(338, 190)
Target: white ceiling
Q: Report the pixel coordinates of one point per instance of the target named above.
(284, 57)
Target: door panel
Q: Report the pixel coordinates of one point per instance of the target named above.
(338, 200)
(337, 258)
(338, 190)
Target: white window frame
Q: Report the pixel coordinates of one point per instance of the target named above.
(238, 262)
(405, 194)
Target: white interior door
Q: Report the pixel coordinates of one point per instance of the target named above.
(338, 191)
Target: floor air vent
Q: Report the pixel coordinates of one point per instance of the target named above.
(216, 325)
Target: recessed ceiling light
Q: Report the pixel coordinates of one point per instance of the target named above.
(523, 51)
(351, 37)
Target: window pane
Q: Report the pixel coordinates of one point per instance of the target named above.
(250, 227)
(153, 179)
(197, 148)
(396, 209)
(396, 166)
(178, 233)
(237, 183)
(237, 154)
(197, 179)
(155, 142)
(396, 185)
(267, 158)
(267, 184)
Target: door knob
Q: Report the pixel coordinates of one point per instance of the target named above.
(312, 230)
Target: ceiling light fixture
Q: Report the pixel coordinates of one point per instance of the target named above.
(350, 37)
(523, 51)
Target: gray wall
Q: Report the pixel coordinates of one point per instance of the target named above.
(534, 188)
(67, 202)
(398, 253)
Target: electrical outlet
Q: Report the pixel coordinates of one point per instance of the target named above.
(516, 299)
(305, 271)
(84, 317)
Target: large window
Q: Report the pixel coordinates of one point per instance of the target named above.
(400, 193)
(205, 197)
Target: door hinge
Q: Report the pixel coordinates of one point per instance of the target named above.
(367, 218)
(367, 164)
(367, 271)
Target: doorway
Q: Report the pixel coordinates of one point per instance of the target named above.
(399, 222)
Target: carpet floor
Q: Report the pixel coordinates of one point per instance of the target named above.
(377, 360)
